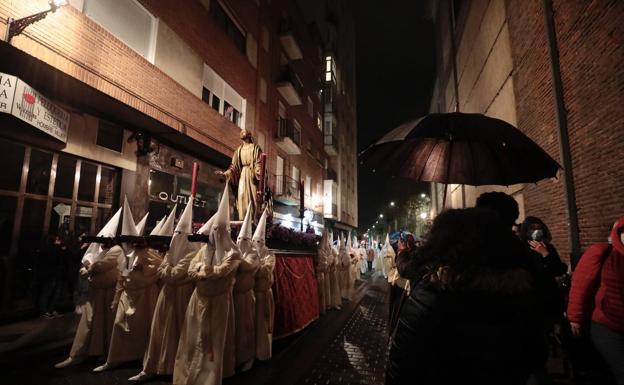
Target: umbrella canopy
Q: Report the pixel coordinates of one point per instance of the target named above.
(460, 148)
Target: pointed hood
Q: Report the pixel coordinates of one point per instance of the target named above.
(128, 226)
(92, 254)
(388, 247)
(166, 228)
(180, 245)
(219, 234)
(140, 227)
(156, 229)
(244, 236)
(323, 248)
(259, 237)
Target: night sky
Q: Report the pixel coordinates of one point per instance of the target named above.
(395, 62)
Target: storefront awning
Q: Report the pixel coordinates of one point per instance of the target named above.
(64, 88)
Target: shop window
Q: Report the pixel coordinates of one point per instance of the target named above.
(82, 219)
(12, 161)
(31, 231)
(110, 136)
(7, 218)
(65, 177)
(103, 216)
(39, 172)
(86, 186)
(108, 179)
(60, 214)
(160, 182)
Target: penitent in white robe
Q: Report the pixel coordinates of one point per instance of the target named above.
(265, 307)
(139, 292)
(201, 350)
(169, 315)
(245, 308)
(96, 323)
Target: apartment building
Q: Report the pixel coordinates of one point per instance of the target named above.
(109, 98)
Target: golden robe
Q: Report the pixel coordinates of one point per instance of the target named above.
(201, 350)
(169, 316)
(265, 308)
(246, 167)
(139, 293)
(96, 323)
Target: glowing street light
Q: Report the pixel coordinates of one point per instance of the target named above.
(423, 215)
(392, 204)
(380, 215)
(373, 226)
(423, 195)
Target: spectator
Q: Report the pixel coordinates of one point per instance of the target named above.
(48, 271)
(597, 299)
(468, 318)
(504, 205)
(538, 237)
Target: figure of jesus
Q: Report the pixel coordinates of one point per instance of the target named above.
(244, 174)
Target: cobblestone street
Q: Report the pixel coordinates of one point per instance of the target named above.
(342, 347)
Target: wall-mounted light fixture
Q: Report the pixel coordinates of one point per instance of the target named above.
(16, 27)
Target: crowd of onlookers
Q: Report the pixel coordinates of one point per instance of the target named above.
(57, 284)
(489, 301)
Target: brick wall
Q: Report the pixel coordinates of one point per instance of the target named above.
(589, 37)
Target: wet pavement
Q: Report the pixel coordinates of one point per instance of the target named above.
(342, 347)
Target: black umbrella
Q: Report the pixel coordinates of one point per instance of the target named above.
(460, 148)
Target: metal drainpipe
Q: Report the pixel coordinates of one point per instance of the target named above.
(562, 122)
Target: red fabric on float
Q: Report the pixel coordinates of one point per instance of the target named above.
(295, 292)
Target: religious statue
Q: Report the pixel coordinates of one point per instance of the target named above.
(244, 174)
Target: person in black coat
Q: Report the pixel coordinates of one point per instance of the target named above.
(468, 318)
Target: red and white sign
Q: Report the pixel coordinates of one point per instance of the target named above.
(24, 102)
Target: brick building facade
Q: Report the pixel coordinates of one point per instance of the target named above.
(177, 80)
(504, 70)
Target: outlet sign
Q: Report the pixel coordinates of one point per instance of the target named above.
(24, 102)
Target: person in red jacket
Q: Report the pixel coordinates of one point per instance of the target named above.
(597, 292)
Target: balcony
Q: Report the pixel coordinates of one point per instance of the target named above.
(289, 42)
(286, 190)
(330, 132)
(290, 87)
(288, 136)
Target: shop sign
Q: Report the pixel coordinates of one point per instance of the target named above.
(181, 199)
(22, 101)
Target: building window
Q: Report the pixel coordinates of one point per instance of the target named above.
(295, 173)
(231, 114)
(223, 98)
(109, 136)
(330, 69)
(310, 107)
(128, 20)
(319, 122)
(228, 25)
(308, 186)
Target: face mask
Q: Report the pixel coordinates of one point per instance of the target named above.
(537, 235)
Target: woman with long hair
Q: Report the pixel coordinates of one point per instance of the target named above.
(468, 318)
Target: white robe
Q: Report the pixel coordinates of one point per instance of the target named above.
(169, 316)
(201, 350)
(245, 308)
(265, 308)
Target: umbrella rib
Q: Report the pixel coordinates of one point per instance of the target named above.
(422, 170)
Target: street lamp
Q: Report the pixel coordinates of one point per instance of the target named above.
(391, 204)
(423, 195)
(16, 27)
(380, 215)
(423, 215)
